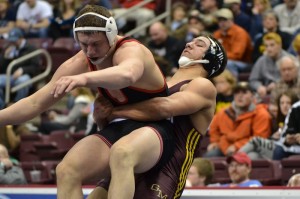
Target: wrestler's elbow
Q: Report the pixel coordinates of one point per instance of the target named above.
(164, 109)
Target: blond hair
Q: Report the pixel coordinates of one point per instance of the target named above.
(296, 43)
(272, 36)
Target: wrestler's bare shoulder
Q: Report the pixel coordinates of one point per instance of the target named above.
(202, 85)
(132, 47)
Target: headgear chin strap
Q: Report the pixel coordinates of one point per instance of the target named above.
(99, 61)
(110, 28)
(185, 61)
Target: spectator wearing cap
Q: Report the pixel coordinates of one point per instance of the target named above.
(240, 17)
(262, 148)
(239, 169)
(265, 72)
(22, 72)
(234, 126)
(236, 41)
(33, 17)
(7, 19)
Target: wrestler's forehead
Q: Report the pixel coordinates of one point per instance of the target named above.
(203, 39)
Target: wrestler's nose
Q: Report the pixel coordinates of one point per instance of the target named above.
(90, 51)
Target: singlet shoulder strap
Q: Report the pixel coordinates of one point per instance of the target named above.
(124, 40)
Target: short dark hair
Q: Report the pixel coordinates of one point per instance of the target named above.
(90, 20)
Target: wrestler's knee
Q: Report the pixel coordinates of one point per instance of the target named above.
(66, 172)
(121, 156)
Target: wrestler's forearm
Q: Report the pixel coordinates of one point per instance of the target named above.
(116, 77)
(18, 112)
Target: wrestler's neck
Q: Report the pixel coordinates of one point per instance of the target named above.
(188, 73)
(107, 60)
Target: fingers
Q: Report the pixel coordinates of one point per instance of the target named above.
(63, 85)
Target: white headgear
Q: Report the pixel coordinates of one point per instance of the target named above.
(110, 27)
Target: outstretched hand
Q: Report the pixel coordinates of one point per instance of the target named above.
(67, 83)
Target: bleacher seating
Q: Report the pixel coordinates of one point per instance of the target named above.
(290, 166)
(44, 43)
(221, 174)
(27, 151)
(57, 144)
(47, 169)
(268, 172)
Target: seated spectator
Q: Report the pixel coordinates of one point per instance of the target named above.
(259, 7)
(10, 136)
(239, 169)
(178, 26)
(295, 46)
(289, 77)
(195, 27)
(294, 181)
(77, 117)
(262, 148)
(33, 17)
(289, 143)
(208, 9)
(165, 46)
(233, 127)
(236, 41)
(10, 173)
(22, 72)
(7, 19)
(63, 17)
(225, 84)
(241, 18)
(265, 71)
(270, 24)
(200, 173)
(140, 16)
(288, 13)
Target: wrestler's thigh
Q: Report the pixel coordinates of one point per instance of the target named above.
(145, 147)
(90, 157)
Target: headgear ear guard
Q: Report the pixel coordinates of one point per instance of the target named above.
(110, 28)
(217, 58)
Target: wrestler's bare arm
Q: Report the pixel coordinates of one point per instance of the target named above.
(199, 94)
(128, 69)
(41, 100)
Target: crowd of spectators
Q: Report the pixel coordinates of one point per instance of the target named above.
(257, 102)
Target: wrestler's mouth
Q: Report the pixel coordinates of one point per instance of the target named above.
(186, 51)
(93, 58)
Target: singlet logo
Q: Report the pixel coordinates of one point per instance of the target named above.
(156, 188)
